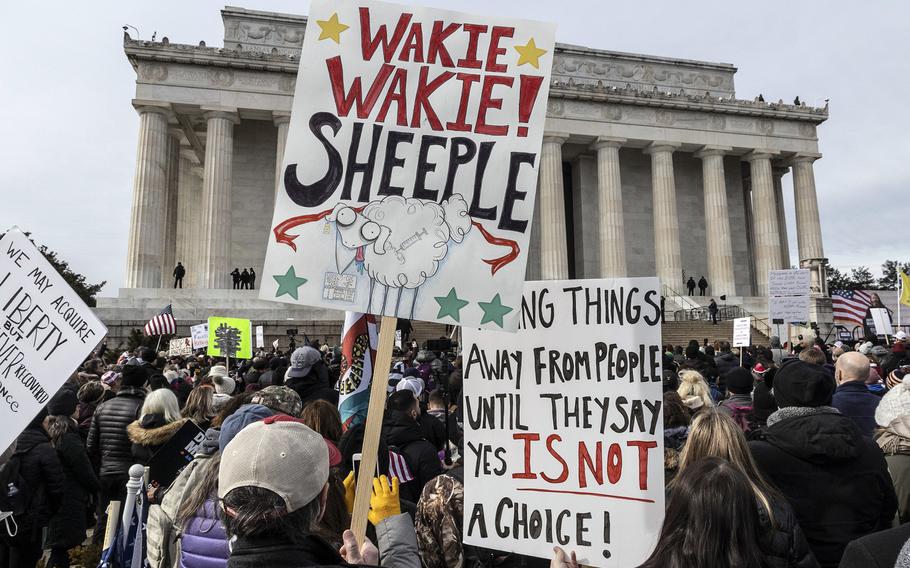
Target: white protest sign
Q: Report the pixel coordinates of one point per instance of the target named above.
(260, 338)
(200, 335)
(410, 170)
(563, 425)
(882, 321)
(742, 332)
(788, 308)
(47, 331)
(181, 346)
(791, 282)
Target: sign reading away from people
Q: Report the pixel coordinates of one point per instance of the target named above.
(230, 337)
(410, 171)
(46, 331)
(563, 425)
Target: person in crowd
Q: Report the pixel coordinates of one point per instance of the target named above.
(158, 421)
(44, 484)
(883, 549)
(89, 396)
(223, 384)
(725, 361)
(690, 286)
(275, 373)
(440, 512)
(777, 352)
(66, 528)
(738, 405)
(851, 397)
(177, 384)
(694, 391)
(252, 278)
(108, 444)
(835, 479)
(712, 310)
(712, 519)
(714, 435)
(304, 377)
(763, 403)
(676, 431)
(323, 417)
(235, 278)
(179, 273)
(404, 435)
(814, 355)
(892, 416)
(703, 286)
(200, 406)
(259, 366)
(436, 407)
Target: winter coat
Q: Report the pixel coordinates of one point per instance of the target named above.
(84, 413)
(149, 433)
(877, 550)
(784, 544)
(108, 441)
(397, 542)
(895, 443)
(404, 435)
(204, 543)
(835, 479)
(40, 469)
(67, 527)
(725, 362)
(855, 401)
(275, 552)
(311, 388)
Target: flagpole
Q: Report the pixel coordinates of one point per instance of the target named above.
(158, 346)
(900, 294)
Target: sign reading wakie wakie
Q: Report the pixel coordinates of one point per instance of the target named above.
(230, 337)
(46, 330)
(410, 169)
(563, 422)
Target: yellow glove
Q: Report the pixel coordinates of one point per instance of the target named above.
(349, 485)
(384, 501)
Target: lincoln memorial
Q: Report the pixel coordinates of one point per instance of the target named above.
(650, 165)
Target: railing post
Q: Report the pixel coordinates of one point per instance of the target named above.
(133, 487)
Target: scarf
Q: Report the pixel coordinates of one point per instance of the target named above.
(894, 439)
(788, 412)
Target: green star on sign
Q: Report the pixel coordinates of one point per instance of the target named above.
(450, 305)
(493, 311)
(288, 283)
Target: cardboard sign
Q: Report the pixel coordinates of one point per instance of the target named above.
(792, 282)
(788, 308)
(742, 332)
(46, 331)
(200, 335)
(230, 337)
(563, 424)
(410, 170)
(260, 337)
(176, 454)
(881, 320)
(181, 346)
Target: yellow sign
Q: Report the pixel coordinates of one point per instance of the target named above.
(905, 289)
(230, 337)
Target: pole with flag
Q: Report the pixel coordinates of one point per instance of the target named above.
(359, 340)
(161, 324)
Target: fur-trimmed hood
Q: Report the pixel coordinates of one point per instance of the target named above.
(151, 432)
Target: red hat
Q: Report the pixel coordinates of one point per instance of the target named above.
(760, 369)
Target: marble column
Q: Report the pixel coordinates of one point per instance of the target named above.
(717, 221)
(169, 235)
(189, 209)
(145, 243)
(609, 200)
(808, 226)
(667, 254)
(554, 257)
(217, 184)
(282, 120)
(778, 173)
(764, 211)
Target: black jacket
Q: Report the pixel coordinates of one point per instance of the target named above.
(404, 435)
(108, 443)
(67, 526)
(311, 388)
(150, 433)
(877, 550)
(836, 480)
(41, 470)
(725, 362)
(784, 543)
(274, 552)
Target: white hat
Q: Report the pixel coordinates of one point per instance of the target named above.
(900, 335)
(838, 344)
(865, 348)
(218, 371)
(894, 404)
(413, 384)
(224, 385)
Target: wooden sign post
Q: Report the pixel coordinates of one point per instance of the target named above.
(375, 413)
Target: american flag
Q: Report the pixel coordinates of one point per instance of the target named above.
(162, 324)
(850, 306)
(399, 468)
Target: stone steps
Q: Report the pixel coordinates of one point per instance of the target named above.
(680, 332)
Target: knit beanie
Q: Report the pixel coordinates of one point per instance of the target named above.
(224, 385)
(63, 403)
(134, 376)
(798, 383)
(739, 381)
(894, 404)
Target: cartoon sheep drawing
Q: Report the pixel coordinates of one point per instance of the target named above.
(398, 242)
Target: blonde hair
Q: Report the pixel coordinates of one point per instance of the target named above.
(200, 405)
(164, 402)
(693, 385)
(714, 434)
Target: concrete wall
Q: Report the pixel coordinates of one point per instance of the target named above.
(253, 199)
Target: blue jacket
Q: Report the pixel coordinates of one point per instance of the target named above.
(854, 400)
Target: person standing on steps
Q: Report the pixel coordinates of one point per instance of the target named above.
(179, 273)
(252, 278)
(702, 286)
(691, 286)
(235, 278)
(245, 280)
(712, 309)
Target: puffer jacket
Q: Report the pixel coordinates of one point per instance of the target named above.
(149, 433)
(108, 443)
(725, 362)
(204, 543)
(784, 543)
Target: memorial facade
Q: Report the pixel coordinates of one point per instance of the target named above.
(650, 165)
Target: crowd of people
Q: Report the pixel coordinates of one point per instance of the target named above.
(795, 456)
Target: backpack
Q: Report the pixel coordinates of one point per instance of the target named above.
(15, 492)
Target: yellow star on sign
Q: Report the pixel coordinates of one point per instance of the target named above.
(331, 28)
(529, 53)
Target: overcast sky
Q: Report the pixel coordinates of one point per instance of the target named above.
(68, 143)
